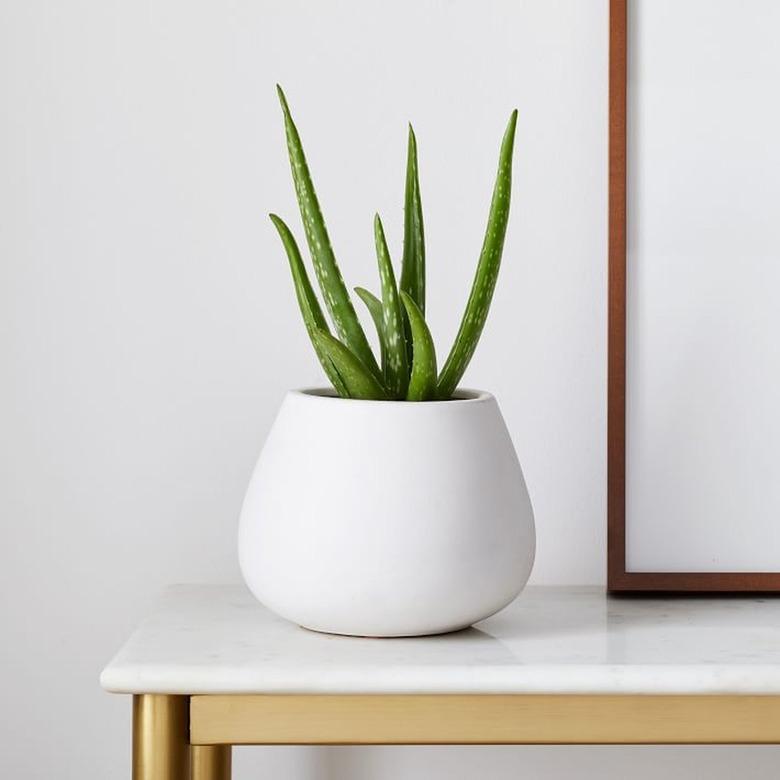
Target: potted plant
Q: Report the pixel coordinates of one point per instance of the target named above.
(393, 504)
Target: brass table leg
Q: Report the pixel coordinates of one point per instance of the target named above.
(161, 749)
(211, 762)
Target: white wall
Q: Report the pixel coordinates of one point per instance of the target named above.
(148, 330)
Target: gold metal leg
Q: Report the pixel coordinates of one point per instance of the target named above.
(211, 762)
(161, 749)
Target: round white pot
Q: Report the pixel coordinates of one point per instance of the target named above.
(387, 518)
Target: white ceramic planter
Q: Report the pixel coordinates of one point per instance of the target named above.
(383, 518)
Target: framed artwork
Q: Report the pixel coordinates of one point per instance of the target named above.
(694, 296)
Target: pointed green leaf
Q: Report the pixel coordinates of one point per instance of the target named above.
(331, 283)
(397, 375)
(359, 381)
(413, 262)
(374, 306)
(308, 303)
(422, 383)
(487, 271)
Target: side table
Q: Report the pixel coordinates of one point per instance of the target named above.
(211, 668)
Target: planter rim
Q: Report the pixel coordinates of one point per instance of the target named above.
(463, 396)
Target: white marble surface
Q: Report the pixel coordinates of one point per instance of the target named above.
(218, 639)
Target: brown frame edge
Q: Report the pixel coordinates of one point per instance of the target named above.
(482, 719)
(618, 579)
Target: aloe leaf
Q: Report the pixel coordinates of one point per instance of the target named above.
(413, 262)
(374, 306)
(422, 382)
(487, 271)
(331, 283)
(359, 381)
(397, 374)
(313, 317)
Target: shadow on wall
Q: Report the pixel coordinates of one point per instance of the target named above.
(534, 762)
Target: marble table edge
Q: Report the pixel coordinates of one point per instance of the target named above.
(552, 680)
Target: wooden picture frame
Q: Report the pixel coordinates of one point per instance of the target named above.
(619, 579)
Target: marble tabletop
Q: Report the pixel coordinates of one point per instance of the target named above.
(218, 639)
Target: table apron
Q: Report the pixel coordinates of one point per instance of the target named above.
(444, 719)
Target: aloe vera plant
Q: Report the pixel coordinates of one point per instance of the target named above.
(407, 369)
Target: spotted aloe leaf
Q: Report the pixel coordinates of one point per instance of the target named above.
(422, 382)
(313, 317)
(374, 306)
(397, 374)
(408, 356)
(331, 283)
(358, 380)
(413, 261)
(487, 271)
